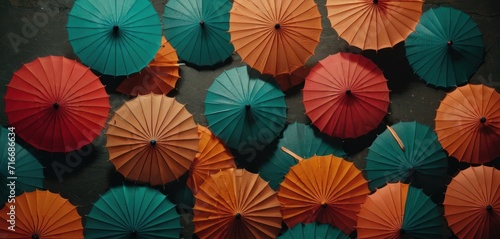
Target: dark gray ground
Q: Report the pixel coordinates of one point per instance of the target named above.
(88, 173)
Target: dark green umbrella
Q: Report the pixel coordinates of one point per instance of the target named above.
(313, 230)
(446, 47)
(198, 30)
(305, 141)
(135, 212)
(24, 168)
(245, 113)
(420, 159)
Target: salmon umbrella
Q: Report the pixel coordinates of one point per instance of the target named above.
(275, 36)
(326, 189)
(313, 230)
(40, 214)
(399, 211)
(56, 104)
(472, 203)
(152, 138)
(346, 95)
(468, 123)
(159, 77)
(374, 24)
(235, 203)
(212, 157)
(288, 80)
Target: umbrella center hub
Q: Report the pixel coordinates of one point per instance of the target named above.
(34, 236)
(238, 215)
(152, 142)
(324, 205)
(482, 120)
(375, 1)
(116, 30)
(56, 105)
(248, 107)
(450, 43)
(277, 26)
(489, 208)
(348, 92)
(202, 24)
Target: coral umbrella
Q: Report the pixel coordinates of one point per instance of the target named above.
(159, 77)
(212, 157)
(244, 113)
(275, 36)
(288, 80)
(198, 29)
(114, 37)
(468, 123)
(346, 95)
(313, 230)
(374, 24)
(399, 211)
(326, 189)
(56, 104)
(19, 165)
(153, 139)
(132, 212)
(419, 158)
(446, 47)
(40, 214)
(472, 203)
(303, 140)
(235, 203)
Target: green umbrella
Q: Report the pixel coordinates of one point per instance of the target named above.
(446, 47)
(245, 113)
(27, 172)
(198, 30)
(422, 160)
(313, 230)
(305, 141)
(133, 211)
(114, 37)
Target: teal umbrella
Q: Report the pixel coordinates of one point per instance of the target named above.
(114, 37)
(132, 212)
(24, 168)
(305, 141)
(198, 30)
(313, 230)
(420, 159)
(246, 114)
(446, 47)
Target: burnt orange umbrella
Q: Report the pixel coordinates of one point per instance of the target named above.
(152, 138)
(212, 157)
(159, 77)
(472, 203)
(374, 24)
(275, 36)
(468, 123)
(289, 80)
(40, 214)
(235, 203)
(326, 189)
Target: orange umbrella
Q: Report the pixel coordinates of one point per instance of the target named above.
(289, 80)
(275, 36)
(153, 139)
(374, 24)
(468, 123)
(212, 157)
(158, 77)
(235, 203)
(326, 189)
(40, 214)
(472, 203)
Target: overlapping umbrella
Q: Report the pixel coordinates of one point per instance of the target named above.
(313, 230)
(114, 37)
(275, 36)
(244, 112)
(288, 80)
(56, 104)
(468, 123)
(417, 158)
(153, 139)
(132, 212)
(40, 214)
(198, 29)
(346, 95)
(446, 47)
(374, 25)
(235, 203)
(472, 203)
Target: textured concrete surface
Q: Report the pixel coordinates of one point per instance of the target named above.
(31, 29)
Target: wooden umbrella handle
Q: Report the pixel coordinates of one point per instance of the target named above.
(294, 155)
(396, 137)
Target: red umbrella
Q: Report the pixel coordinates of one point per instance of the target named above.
(56, 104)
(346, 95)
